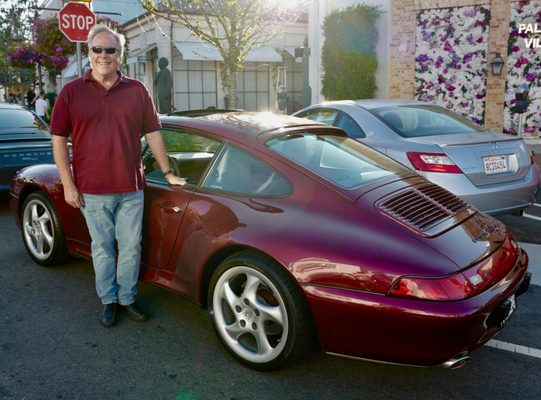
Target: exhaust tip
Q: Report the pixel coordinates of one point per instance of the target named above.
(457, 362)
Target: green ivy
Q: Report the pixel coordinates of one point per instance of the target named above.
(349, 53)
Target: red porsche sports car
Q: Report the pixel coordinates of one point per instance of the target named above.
(290, 233)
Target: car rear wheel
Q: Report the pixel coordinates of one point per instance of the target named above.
(42, 231)
(259, 312)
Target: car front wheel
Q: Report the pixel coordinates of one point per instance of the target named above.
(259, 312)
(42, 231)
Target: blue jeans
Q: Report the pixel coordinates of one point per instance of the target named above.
(110, 218)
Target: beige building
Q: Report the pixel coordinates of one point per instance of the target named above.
(441, 51)
(195, 66)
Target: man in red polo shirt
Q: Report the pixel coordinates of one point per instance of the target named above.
(106, 113)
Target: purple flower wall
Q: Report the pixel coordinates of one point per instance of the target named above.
(450, 59)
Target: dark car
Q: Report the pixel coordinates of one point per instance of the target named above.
(290, 234)
(24, 140)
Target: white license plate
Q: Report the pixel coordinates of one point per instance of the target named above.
(495, 164)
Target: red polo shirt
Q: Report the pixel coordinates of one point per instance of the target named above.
(106, 127)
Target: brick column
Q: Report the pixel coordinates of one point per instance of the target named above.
(500, 11)
(402, 49)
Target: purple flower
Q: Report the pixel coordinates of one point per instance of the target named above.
(520, 62)
(447, 46)
(450, 87)
(439, 62)
(470, 13)
(529, 129)
(479, 24)
(427, 37)
(422, 58)
(514, 49)
(531, 76)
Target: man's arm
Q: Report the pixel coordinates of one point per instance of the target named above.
(72, 196)
(155, 142)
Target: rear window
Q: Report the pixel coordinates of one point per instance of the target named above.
(340, 160)
(425, 120)
(13, 118)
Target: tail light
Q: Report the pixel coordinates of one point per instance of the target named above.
(432, 162)
(467, 283)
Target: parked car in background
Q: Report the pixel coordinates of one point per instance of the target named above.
(494, 172)
(24, 140)
(291, 234)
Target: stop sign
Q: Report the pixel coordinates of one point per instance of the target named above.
(75, 20)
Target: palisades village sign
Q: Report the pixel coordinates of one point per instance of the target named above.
(531, 29)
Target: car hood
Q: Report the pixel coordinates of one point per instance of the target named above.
(21, 134)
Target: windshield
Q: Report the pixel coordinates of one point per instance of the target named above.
(426, 120)
(341, 160)
(13, 118)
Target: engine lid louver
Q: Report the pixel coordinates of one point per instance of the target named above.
(426, 208)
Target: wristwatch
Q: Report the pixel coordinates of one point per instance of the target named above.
(168, 172)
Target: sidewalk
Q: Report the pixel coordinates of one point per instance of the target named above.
(534, 255)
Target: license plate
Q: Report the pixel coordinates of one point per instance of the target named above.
(495, 164)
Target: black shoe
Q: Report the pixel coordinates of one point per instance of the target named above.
(134, 312)
(108, 316)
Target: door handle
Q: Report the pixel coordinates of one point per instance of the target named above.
(170, 208)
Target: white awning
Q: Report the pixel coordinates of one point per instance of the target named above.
(291, 51)
(206, 52)
(142, 52)
(198, 51)
(263, 54)
(71, 69)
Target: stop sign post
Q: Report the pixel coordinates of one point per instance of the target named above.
(75, 21)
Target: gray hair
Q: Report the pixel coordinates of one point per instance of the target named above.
(98, 28)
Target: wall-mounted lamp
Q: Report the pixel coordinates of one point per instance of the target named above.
(496, 65)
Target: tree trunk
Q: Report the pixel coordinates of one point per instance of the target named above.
(232, 89)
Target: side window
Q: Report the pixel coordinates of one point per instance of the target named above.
(189, 156)
(325, 116)
(238, 172)
(350, 126)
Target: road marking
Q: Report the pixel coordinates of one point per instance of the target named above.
(531, 216)
(515, 348)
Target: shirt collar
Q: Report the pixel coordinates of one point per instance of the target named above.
(88, 76)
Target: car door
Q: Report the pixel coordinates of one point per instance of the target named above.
(189, 156)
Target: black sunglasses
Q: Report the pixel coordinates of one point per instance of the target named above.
(108, 50)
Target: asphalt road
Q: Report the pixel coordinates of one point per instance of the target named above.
(52, 347)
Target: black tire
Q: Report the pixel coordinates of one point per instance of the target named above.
(42, 231)
(259, 312)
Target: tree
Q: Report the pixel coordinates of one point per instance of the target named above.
(15, 29)
(233, 27)
(348, 55)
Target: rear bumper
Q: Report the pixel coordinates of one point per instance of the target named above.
(504, 198)
(408, 331)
